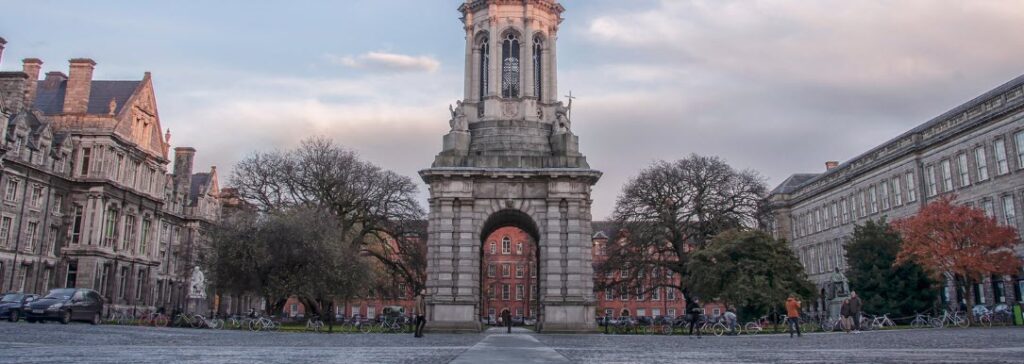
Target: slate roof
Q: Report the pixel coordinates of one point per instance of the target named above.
(793, 182)
(198, 186)
(50, 100)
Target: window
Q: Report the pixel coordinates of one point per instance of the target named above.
(873, 203)
(519, 271)
(897, 193)
(624, 273)
(506, 245)
(490, 270)
(1009, 212)
(835, 214)
(140, 278)
(863, 204)
(144, 237)
(671, 312)
(670, 294)
(989, 208)
(85, 161)
(72, 275)
(609, 295)
(129, 233)
(538, 67)
(817, 220)
(5, 230)
(505, 292)
(641, 312)
(656, 294)
(30, 236)
(965, 173)
(883, 189)
(982, 163)
(911, 187)
(11, 194)
(123, 286)
(111, 228)
(929, 177)
(1002, 167)
(947, 175)
(485, 68)
(371, 312)
(494, 248)
(36, 199)
(356, 310)
(76, 226)
(640, 293)
(520, 292)
(510, 66)
(506, 270)
(519, 248)
(493, 291)
(1018, 139)
(623, 294)
(846, 210)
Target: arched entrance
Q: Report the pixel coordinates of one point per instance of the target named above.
(509, 268)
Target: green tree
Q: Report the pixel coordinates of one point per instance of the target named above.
(883, 285)
(750, 270)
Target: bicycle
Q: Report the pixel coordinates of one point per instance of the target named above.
(264, 324)
(314, 324)
(881, 322)
(756, 327)
(386, 325)
(920, 321)
(153, 319)
(955, 319)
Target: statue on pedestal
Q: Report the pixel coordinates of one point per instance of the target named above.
(197, 286)
(839, 286)
(458, 121)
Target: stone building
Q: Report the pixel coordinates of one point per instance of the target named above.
(974, 151)
(509, 271)
(510, 159)
(87, 197)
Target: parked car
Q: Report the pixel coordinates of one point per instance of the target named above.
(11, 304)
(66, 305)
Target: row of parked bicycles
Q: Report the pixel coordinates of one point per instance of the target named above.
(999, 315)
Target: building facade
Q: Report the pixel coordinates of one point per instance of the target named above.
(974, 151)
(87, 198)
(509, 272)
(510, 159)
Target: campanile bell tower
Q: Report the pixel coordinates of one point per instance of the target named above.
(510, 159)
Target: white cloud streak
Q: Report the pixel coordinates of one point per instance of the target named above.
(388, 62)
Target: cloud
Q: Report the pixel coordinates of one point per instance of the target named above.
(388, 62)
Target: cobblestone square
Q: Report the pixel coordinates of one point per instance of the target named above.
(51, 343)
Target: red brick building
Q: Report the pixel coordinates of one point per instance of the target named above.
(509, 271)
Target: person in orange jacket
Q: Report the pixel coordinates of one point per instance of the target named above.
(793, 315)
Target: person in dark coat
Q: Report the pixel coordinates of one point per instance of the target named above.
(421, 313)
(844, 315)
(855, 307)
(506, 318)
(694, 313)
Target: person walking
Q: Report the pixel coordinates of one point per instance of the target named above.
(506, 318)
(421, 313)
(844, 315)
(693, 313)
(855, 307)
(793, 315)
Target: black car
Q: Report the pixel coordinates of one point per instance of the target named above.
(12, 303)
(66, 305)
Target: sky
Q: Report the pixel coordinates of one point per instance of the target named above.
(775, 86)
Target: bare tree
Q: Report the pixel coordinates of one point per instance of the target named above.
(672, 209)
(372, 208)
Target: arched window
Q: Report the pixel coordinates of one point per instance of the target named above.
(538, 64)
(485, 69)
(510, 66)
(506, 245)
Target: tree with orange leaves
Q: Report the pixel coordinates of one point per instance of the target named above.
(958, 241)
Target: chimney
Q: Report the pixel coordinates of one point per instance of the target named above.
(3, 42)
(183, 168)
(54, 79)
(31, 67)
(76, 97)
(830, 165)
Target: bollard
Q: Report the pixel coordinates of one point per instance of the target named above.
(1017, 319)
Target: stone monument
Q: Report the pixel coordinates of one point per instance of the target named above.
(838, 289)
(510, 159)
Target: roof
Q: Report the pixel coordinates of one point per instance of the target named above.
(793, 182)
(922, 128)
(198, 186)
(50, 100)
